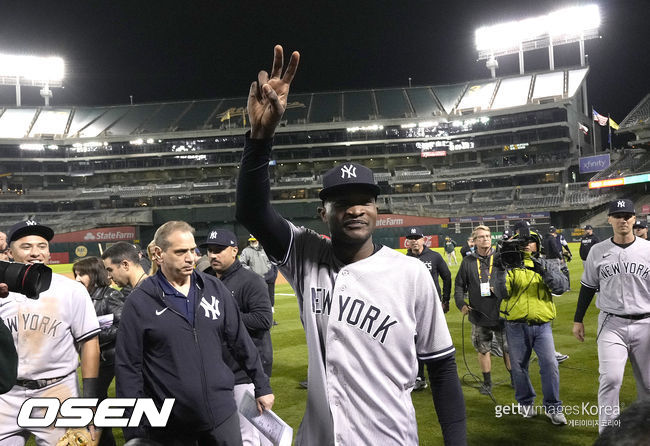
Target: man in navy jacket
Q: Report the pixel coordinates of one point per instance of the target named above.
(252, 297)
(169, 345)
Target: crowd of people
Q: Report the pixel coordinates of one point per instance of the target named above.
(373, 318)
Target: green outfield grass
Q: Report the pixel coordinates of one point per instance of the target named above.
(578, 378)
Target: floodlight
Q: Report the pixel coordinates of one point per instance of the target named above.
(32, 71)
(568, 25)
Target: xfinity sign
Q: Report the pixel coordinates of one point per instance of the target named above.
(80, 412)
(596, 163)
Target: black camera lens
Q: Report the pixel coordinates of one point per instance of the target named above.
(30, 279)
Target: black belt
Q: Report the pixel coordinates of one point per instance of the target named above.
(524, 321)
(34, 384)
(634, 317)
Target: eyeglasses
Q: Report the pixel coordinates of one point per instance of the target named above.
(623, 216)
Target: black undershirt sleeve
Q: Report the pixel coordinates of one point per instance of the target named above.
(253, 203)
(584, 300)
(448, 400)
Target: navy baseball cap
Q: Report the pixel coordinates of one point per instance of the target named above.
(29, 227)
(552, 229)
(414, 234)
(588, 227)
(622, 206)
(348, 175)
(220, 237)
(640, 225)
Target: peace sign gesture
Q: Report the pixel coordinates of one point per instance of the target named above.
(267, 98)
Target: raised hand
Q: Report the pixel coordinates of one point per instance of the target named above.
(267, 98)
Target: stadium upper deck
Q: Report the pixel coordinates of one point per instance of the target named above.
(510, 143)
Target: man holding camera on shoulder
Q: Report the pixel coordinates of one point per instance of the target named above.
(47, 329)
(530, 283)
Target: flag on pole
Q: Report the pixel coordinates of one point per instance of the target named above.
(613, 124)
(600, 119)
(583, 128)
(226, 116)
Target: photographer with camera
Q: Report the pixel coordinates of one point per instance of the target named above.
(528, 288)
(47, 328)
(475, 295)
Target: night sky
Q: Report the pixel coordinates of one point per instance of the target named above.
(162, 50)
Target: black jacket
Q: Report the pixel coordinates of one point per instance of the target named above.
(437, 267)
(485, 311)
(586, 242)
(108, 300)
(252, 297)
(552, 247)
(466, 250)
(160, 354)
(8, 359)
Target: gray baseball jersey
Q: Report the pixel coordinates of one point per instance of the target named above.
(622, 276)
(46, 329)
(366, 325)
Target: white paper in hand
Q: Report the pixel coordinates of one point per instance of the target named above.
(268, 424)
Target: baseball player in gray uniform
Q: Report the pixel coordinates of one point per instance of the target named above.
(619, 270)
(46, 332)
(369, 312)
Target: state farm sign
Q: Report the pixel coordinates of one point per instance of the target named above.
(97, 235)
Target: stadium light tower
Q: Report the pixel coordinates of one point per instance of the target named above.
(33, 71)
(568, 25)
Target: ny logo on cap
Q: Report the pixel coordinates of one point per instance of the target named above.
(349, 171)
(620, 204)
(413, 231)
(213, 235)
(31, 223)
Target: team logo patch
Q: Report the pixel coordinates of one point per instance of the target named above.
(213, 235)
(620, 204)
(31, 223)
(211, 309)
(348, 171)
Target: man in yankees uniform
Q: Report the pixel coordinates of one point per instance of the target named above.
(587, 241)
(252, 297)
(46, 332)
(369, 312)
(438, 268)
(641, 229)
(619, 270)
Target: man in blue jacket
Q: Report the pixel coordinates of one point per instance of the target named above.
(170, 345)
(252, 297)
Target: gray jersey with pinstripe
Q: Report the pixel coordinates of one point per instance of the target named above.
(366, 325)
(622, 276)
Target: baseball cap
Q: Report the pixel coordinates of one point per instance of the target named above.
(622, 206)
(640, 225)
(220, 237)
(346, 176)
(414, 234)
(252, 238)
(29, 227)
(588, 227)
(552, 229)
